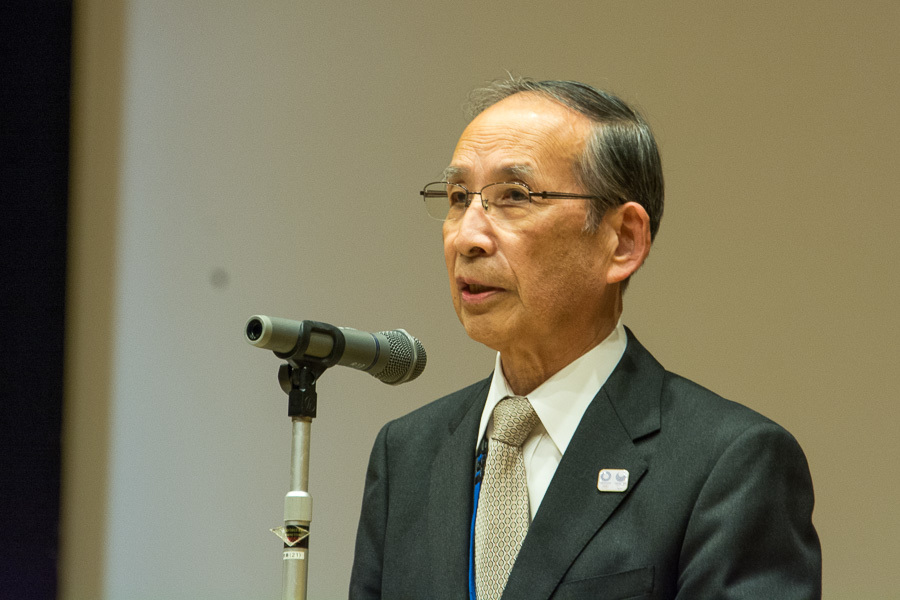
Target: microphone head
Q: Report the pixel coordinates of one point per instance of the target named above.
(406, 358)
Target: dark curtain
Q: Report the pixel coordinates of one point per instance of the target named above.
(35, 37)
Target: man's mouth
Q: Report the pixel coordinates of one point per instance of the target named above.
(477, 288)
(474, 291)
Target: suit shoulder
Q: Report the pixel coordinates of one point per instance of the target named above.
(446, 409)
(691, 407)
(649, 398)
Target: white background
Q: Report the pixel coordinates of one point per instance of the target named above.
(235, 158)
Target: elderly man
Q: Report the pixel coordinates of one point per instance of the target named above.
(580, 468)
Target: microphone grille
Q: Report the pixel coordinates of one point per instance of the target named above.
(406, 358)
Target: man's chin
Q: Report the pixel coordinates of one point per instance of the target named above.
(483, 330)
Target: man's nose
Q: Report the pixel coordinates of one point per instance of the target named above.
(474, 230)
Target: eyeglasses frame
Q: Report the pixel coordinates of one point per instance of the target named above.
(484, 203)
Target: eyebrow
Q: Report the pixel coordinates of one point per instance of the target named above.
(452, 173)
(512, 171)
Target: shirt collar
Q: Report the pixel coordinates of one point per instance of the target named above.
(560, 401)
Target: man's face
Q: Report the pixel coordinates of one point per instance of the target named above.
(538, 283)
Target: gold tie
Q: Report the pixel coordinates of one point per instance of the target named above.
(503, 515)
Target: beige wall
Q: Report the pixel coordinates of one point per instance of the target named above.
(234, 158)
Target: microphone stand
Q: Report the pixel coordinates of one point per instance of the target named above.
(298, 379)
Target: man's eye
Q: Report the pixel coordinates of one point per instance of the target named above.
(515, 194)
(457, 196)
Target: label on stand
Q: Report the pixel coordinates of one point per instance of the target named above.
(292, 535)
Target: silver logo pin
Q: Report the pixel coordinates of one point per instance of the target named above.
(612, 480)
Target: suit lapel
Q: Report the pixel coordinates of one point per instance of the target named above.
(573, 509)
(450, 498)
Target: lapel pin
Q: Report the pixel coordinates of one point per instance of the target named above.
(612, 480)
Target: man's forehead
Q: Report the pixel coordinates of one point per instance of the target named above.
(512, 171)
(525, 104)
(519, 137)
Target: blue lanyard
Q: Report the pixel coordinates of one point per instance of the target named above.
(479, 473)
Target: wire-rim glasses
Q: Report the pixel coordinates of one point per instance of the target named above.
(503, 201)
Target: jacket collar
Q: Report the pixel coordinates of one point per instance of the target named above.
(573, 509)
(450, 497)
(625, 409)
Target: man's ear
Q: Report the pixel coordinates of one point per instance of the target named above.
(630, 224)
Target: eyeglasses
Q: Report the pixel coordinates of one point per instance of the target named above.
(503, 201)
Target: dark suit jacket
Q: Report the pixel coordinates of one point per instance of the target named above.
(718, 505)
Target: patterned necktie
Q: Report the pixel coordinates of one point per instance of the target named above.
(503, 514)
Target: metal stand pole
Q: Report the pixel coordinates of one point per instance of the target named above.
(297, 514)
(300, 383)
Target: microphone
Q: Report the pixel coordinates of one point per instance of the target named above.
(393, 357)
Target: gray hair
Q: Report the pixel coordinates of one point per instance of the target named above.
(620, 162)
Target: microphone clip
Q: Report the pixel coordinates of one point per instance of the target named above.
(297, 355)
(299, 374)
(299, 383)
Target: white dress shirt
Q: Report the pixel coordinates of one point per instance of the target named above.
(560, 403)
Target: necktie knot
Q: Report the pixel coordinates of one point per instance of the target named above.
(514, 418)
